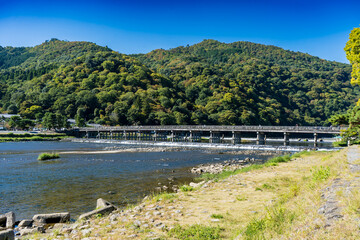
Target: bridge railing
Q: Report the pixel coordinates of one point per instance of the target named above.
(219, 128)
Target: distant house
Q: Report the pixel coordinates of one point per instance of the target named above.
(71, 121)
(5, 116)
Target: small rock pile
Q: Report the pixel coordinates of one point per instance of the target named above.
(24, 227)
(216, 168)
(122, 223)
(46, 222)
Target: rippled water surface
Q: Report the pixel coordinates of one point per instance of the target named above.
(74, 182)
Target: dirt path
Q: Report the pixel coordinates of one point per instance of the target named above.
(332, 208)
(353, 157)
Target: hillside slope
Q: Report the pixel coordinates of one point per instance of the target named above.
(207, 83)
(248, 83)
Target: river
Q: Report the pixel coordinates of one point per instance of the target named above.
(74, 181)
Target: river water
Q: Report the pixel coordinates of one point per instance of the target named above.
(74, 182)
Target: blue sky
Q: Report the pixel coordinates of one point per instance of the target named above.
(320, 28)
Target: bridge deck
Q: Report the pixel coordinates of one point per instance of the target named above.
(214, 128)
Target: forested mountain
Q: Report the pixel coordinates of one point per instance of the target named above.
(247, 83)
(207, 83)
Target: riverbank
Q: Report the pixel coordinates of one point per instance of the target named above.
(24, 137)
(312, 196)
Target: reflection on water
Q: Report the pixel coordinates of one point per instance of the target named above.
(74, 182)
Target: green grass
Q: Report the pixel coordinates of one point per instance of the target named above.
(267, 186)
(186, 188)
(340, 144)
(271, 162)
(217, 216)
(164, 196)
(239, 198)
(11, 137)
(197, 231)
(47, 156)
(320, 173)
(276, 221)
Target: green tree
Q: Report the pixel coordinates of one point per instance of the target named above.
(15, 121)
(80, 117)
(49, 120)
(19, 123)
(352, 50)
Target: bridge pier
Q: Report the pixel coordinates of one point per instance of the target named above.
(286, 138)
(163, 136)
(214, 137)
(260, 138)
(138, 136)
(315, 139)
(134, 135)
(236, 138)
(194, 136)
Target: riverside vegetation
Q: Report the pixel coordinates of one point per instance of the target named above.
(48, 156)
(284, 198)
(12, 137)
(206, 83)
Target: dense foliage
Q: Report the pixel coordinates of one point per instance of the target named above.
(352, 116)
(352, 50)
(207, 83)
(247, 83)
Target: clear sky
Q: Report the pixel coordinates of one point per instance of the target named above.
(320, 28)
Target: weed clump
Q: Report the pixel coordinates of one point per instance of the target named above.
(197, 231)
(321, 173)
(275, 222)
(217, 216)
(186, 188)
(47, 156)
(164, 196)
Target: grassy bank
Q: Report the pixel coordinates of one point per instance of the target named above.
(11, 137)
(270, 163)
(279, 199)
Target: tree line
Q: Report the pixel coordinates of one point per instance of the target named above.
(207, 83)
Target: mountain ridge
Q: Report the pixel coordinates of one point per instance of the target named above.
(206, 83)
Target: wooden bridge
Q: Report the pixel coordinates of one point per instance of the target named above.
(193, 133)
